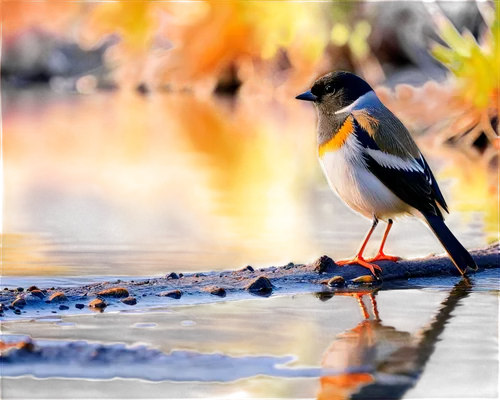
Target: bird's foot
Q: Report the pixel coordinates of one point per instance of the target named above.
(381, 256)
(359, 260)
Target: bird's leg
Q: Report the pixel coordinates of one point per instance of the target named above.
(381, 256)
(358, 258)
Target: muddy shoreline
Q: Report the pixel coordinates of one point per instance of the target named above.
(174, 288)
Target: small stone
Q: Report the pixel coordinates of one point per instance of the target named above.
(181, 275)
(31, 288)
(216, 291)
(172, 275)
(52, 288)
(336, 281)
(63, 307)
(97, 303)
(114, 292)
(248, 268)
(79, 305)
(322, 264)
(19, 302)
(37, 293)
(290, 265)
(174, 294)
(57, 297)
(20, 289)
(364, 279)
(6, 288)
(17, 311)
(260, 285)
(131, 301)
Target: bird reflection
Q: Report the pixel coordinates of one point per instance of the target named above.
(378, 361)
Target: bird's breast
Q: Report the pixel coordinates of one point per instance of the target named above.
(338, 138)
(349, 177)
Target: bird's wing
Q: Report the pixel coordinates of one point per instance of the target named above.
(405, 177)
(392, 155)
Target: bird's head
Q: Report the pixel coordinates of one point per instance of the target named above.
(335, 90)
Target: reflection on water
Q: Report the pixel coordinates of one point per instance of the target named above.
(111, 183)
(357, 345)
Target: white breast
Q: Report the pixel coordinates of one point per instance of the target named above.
(349, 177)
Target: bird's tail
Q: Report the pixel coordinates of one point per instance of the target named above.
(458, 254)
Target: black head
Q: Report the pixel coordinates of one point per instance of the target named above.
(343, 86)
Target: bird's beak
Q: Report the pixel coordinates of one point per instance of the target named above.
(308, 96)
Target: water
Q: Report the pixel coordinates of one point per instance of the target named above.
(401, 343)
(120, 184)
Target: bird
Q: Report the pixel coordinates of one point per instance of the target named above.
(372, 163)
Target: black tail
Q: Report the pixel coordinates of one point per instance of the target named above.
(460, 257)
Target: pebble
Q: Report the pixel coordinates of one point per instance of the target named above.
(79, 305)
(20, 289)
(174, 294)
(290, 265)
(260, 285)
(63, 307)
(216, 291)
(31, 288)
(131, 301)
(364, 279)
(114, 292)
(336, 281)
(37, 293)
(57, 297)
(17, 311)
(181, 275)
(97, 303)
(322, 264)
(19, 302)
(172, 275)
(248, 268)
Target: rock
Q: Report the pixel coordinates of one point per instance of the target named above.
(216, 291)
(63, 307)
(31, 288)
(322, 264)
(98, 303)
(290, 265)
(260, 285)
(174, 294)
(79, 305)
(114, 292)
(131, 301)
(172, 275)
(20, 289)
(181, 275)
(37, 293)
(19, 302)
(248, 268)
(336, 281)
(367, 279)
(57, 297)
(17, 311)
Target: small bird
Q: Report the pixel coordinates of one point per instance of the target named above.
(371, 161)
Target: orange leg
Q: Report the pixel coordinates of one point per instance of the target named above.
(358, 258)
(381, 256)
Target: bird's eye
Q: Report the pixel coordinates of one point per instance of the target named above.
(328, 88)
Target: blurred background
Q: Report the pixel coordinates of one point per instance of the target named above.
(146, 137)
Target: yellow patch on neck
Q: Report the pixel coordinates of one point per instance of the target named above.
(338, 140)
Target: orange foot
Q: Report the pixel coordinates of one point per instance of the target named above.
(381, 256)
(361, 261)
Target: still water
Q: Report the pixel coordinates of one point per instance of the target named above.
(122, 184)
(437, 342)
